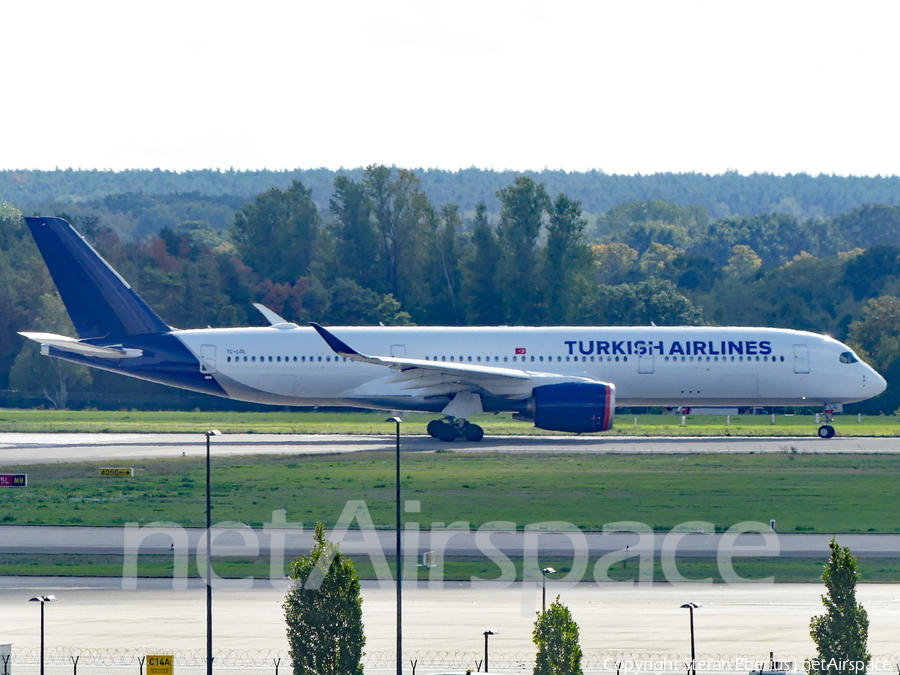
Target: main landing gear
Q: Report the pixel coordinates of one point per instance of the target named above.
(452, 428)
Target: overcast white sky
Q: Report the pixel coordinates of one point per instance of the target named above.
(624, 86)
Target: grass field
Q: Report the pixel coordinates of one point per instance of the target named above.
(804, 493)
(314, 422)
(784, 570)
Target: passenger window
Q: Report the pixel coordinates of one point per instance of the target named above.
(848, 357)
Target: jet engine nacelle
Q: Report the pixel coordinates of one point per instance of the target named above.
(579, 407)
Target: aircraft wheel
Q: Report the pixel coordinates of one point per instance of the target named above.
(446, 432)
(433, 428)
(473, 433)
(826, 431)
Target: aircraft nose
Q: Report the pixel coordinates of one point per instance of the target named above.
(877, 383)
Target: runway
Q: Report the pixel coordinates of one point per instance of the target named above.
(291, 542)
(42, 448)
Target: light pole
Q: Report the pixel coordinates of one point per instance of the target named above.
(544, 573)
(487, 634)
(691, 606)
(42, 599)
(398, 553)
(209, 656)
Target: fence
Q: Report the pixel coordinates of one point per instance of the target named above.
(65, 661)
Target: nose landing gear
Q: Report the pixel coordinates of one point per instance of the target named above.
(450, 429)
(826, 430)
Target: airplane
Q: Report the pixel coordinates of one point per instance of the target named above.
(564, 378)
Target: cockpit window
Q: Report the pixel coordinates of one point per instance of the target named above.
(848, 357)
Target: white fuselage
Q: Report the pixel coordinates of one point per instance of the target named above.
(649, 366)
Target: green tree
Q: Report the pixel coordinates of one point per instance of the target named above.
(877, 333)
(841, 633)
(276, 233)
(357, 252)
(445, 269)
(323, 612)
(402, 215)
(613, 262)
(556, 637)
(743, 263)
(655, 301)
(521, 217)
(567, 259)
(55, 378)
(482, 282)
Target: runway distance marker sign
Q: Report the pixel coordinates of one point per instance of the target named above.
(117, 473)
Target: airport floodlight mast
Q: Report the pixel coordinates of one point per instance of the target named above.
(398, 551)
(209, 656)
(691, 606)
(544, 572)
(487, 634)
(42, 599)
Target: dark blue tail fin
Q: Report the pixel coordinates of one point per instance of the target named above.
(99, 301)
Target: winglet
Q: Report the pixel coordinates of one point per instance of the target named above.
(273, 318)
(339, 346)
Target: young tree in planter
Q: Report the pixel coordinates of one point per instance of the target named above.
(841, 633)
(324, 612)
(556, 637)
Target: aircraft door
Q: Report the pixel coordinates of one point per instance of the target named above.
(208, 359)
(801, 359)
(645, 363)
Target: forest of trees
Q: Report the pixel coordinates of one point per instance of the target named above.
(380, 248)
(728, 194)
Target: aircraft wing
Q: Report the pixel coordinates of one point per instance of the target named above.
(70, 344)
(438, 378)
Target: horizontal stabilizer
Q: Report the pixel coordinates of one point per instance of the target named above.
(69, 344)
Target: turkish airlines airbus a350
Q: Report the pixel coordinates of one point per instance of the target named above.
(560, 378)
